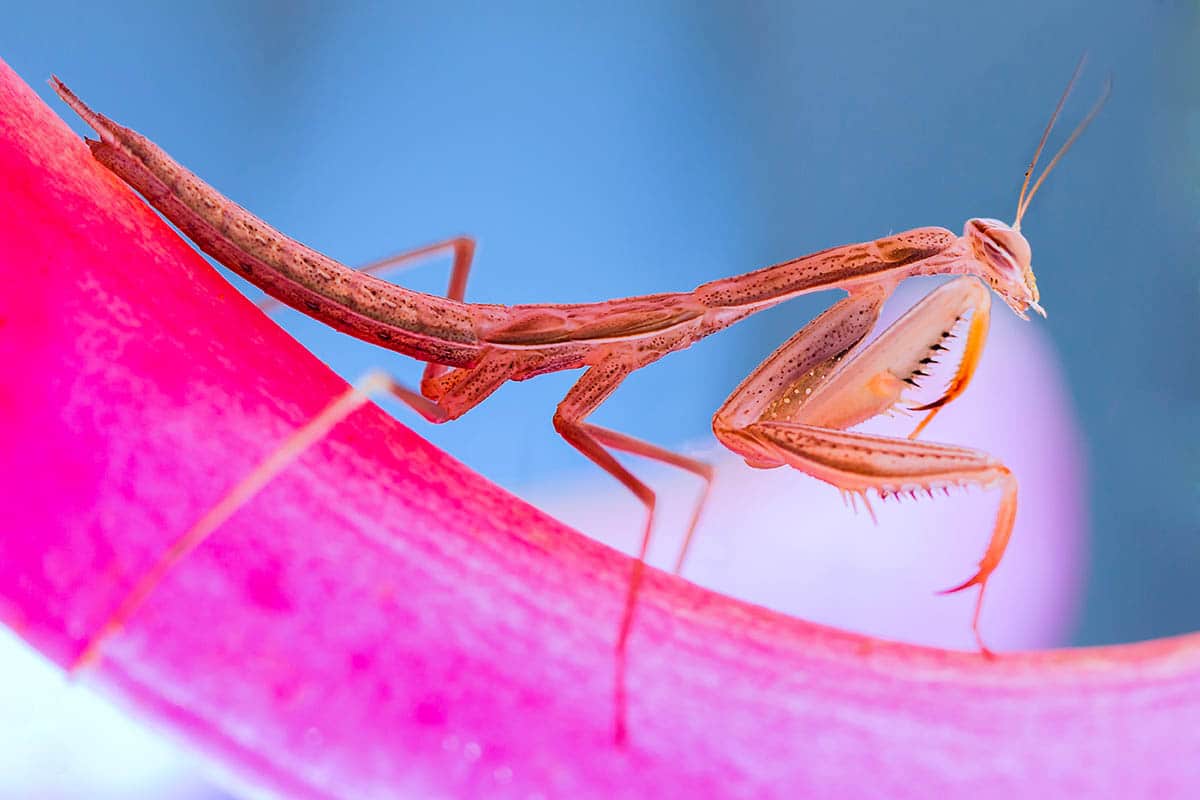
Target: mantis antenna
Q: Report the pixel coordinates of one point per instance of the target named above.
(1024, 200)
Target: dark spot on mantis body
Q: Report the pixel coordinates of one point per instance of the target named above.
(384, 335)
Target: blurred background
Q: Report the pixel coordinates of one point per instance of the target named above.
(638, 148)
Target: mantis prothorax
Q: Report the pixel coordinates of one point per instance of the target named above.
(793, 410)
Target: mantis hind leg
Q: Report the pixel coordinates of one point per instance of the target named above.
(471, 388)
(272, 465)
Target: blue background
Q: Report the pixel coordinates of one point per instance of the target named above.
(636, 148)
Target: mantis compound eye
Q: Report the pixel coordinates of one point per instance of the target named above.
(1005, 259)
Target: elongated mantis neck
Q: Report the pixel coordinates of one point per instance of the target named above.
(920, 251)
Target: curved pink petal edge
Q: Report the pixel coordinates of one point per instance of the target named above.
(381, 622)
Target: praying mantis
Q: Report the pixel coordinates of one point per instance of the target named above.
(795, 409)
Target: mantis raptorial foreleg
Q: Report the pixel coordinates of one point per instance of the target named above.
(981, 303)
(793, 410)
(901, 357)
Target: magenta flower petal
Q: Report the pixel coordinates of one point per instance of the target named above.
(380, 622)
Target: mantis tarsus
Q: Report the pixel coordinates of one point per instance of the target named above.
(795, 409)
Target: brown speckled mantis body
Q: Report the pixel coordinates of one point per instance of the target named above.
(795, 409)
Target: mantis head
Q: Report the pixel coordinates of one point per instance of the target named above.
(1000, 249)
(1005, 256)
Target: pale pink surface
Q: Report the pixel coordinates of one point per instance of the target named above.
(786, 541)
(379, 622)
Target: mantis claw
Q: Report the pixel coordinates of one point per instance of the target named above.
(978, 578)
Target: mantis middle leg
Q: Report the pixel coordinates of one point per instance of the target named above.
(595, 442)
(795, 408)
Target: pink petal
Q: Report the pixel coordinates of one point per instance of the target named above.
(379, 622)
